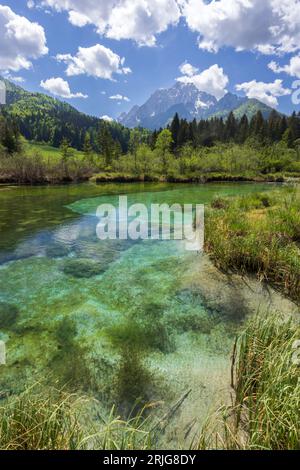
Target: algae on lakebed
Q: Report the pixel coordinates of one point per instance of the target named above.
(155, 303)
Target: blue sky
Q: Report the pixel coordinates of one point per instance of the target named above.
(132, 47)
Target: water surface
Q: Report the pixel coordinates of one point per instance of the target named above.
(120, 320)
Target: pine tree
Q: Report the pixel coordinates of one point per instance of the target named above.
(175, 126)
(87, 147)
(230, 127)
(243, 131)
(257, 126)
(105, 144)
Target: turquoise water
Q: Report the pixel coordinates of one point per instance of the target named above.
(120, 320)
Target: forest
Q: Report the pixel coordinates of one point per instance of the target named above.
(239, 149)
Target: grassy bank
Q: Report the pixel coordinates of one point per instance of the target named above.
(36, 163)
(50, 419)
(265, 414)
(258, 234)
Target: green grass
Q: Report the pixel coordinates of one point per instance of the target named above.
(35, 421)
(39, 163)
(265, 414)
(48, 152)
(258, 234)
(49, 419)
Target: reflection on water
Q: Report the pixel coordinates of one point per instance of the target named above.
(122, 320)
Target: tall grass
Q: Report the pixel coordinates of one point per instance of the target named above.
(55, 420)
(35, 168)
(35, 420)
(258, 234)
(265, 413)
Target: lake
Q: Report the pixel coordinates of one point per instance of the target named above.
(128, 322)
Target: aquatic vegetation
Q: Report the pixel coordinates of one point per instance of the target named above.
(134, 384)
(265, 378)
(8, 315)
(70, 362)
(57, 251)
(264, 415)
(83, 268)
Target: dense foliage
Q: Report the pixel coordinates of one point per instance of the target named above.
(208, 132)
(258, 235)
(185, 151)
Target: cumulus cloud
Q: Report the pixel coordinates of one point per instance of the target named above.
(269, 26)
(188, 69)
(97, 61)
(265, 92)
(60, 87)
(21, 41)
(139, 20)
(212, 80)
(107, 118)
(292, 68)
(119, 97)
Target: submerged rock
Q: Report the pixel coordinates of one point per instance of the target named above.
(8, 314)
(84, 268)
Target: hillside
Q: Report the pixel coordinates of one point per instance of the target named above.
(46, 119)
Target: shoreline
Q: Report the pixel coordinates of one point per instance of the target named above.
(118, 178)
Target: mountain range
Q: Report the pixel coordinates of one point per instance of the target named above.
(190, 103)
(43, 118)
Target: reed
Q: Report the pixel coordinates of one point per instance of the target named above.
(50, 419)
(265, 412)
(258, 235)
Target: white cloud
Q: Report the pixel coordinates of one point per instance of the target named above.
(13, 78)
(21, 40)
(269, 26)
(59, 87)
(139, 20)
(292, 68)
(265, 92)
(212, 80)
(30, 4)
(97, 61)
(107, 118)
(119, 97)
(188, 69)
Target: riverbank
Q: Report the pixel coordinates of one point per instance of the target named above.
(201, 178)
(41, 164)
(31, 179)
(260, 235)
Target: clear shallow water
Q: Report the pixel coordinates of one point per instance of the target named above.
(116, 319)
